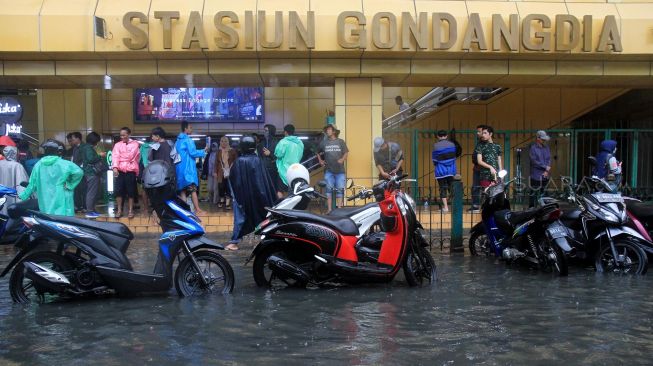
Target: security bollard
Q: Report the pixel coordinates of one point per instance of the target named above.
(457, 217)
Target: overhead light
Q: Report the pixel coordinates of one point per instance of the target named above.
(303, 137)
(195, 138)
(234, 135)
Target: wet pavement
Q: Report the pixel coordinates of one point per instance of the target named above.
(480, 312)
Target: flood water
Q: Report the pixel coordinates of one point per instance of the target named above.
(479, 312)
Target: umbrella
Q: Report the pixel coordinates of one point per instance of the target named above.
(6, 141)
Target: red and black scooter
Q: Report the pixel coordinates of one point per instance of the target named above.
(299, 248)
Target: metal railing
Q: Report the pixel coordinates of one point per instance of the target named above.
(434, 99)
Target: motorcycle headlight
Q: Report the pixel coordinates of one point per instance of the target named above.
(610, 217)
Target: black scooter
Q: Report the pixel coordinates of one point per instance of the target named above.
(89, 258)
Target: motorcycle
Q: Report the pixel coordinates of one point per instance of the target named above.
(596, 226)
(89, 258)
(300, 248)
(535, 237)
(11, 230)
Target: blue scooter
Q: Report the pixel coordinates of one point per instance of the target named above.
(13, 231)
(535, 237)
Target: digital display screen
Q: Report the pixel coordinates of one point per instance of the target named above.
(198, 105)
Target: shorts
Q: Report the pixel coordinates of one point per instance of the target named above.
(335, 180)
(444, 184)
(125, 185)
(189, 189)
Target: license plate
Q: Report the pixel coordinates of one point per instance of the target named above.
(608, 197)
(555, 232)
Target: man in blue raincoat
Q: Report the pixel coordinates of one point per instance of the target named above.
(54, 180)
(187, 181)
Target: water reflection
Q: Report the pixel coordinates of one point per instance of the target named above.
(479, 313)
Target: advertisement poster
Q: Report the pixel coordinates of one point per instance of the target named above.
(199, 104)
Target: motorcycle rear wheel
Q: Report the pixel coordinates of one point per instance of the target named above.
(215, 269)
(632, 261)
(23, 290)
(419, 267)
(478, 244)
(265, 277)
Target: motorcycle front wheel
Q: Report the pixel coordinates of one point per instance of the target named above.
(631, 258)
(23, 290)
(212, 266)
(419, 267)
(264, 276)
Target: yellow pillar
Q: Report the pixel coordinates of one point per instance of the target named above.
(359, 108)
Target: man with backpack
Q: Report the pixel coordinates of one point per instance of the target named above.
(607, 165)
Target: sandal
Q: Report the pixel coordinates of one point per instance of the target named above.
(118, 214)
(130, 215)
(232, 246)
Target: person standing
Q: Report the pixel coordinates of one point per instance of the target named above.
(402, 105)
(187, 181)
(335, 154)
(208, 167)
(76, 156)
(444, 161)
(388, 158)
(288, 152)
(476, 175)
(607, 165)
(265, 150)
(225, 157)
(540, 156)
(252, 190)
(92, 167)
(125, 157)
(488, 155)
(12, 173)
(161, 148)
(54, 180)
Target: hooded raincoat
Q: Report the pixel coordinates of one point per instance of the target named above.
(187, 169)
(54, 180)
(12, 174)
(288, 152)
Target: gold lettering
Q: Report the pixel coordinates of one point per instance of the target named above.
(438, 23)
(587, 33)
(391, 22)
(249, 29)
(296, 27)
(419, 33)
(166, 19)
(610, 35)
(278, 30)
(544, 37)
(230, 36)
(356, 31)
(564, 43)
(138, 39)
(474, 33)
(510, 34)
(194, 32)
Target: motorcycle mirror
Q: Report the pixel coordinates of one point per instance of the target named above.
(350, 183)
(23, 184)
(503, 173)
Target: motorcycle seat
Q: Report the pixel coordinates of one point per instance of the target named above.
(507, 219)
(115, 234)
(344, 225)
(350, 211)
(641, 210)
(19, 209)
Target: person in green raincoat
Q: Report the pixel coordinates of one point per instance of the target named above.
(288, 152)
(54, 180)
